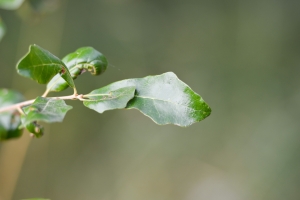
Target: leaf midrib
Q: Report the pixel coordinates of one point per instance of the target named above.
(39, 65)
(98, 100)
(177, 104)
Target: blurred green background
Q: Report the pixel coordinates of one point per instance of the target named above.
(242, 57)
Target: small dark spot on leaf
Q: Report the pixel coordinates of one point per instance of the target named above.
(63, 71)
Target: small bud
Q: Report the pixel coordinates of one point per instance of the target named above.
(35, 129)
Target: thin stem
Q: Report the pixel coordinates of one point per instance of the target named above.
(20, 110)
(95, 95)
(46, 92)
(75, 91)
(18, 106)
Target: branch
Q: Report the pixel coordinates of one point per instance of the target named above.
(26, 103)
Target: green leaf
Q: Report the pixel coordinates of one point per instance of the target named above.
(83, 59)
(10, 120)
(45, 109)
(10, 4)
(41, 66)
(2, 29)
(165, 99)
(104, 99)
(87, 58)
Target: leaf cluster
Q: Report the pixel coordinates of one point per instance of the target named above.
(163, 98)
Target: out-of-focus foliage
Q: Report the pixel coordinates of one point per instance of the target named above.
(2, 29)
(44, 6)
(9, 121)
(10, 4)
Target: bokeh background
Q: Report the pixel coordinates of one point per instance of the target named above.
(242, 57)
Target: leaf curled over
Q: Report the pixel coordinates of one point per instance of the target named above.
(82, 60)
